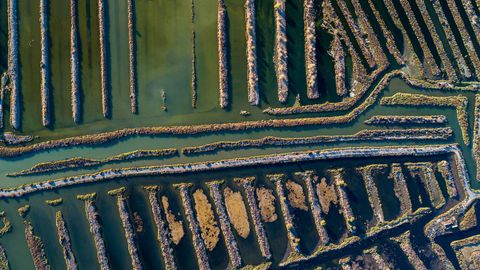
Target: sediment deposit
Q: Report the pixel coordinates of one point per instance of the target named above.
(445, 61)
(237, 212)
(359, 37)
(476, 134)
(327, 195)
(296, 196)
(413, 59)
(22, 211)
(266, 202)
(193, 83)
(469, 219)
(369, 33)
(197, 240)
(206, 220)
(467, 252)
(6, 224)
(54, 202)
(380, 260)
(293, 250)
(175, 226)
(247, 185)
(331, 22)
(229, 239)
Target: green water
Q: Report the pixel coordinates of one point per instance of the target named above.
(163, 34)
(42, 216)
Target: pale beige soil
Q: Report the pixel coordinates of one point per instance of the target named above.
(266, 202)
(206, 219)
(237, 212)
(175, 226)
(469, 220)
(326, 195)
(296, 196)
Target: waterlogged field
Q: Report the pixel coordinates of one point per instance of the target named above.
(164, 53)
(253, 134)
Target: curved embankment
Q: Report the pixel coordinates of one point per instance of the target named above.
(349, 102)
(78, 162)
(459, 102)
(285, 158)
(364, 135)
(101, 138)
